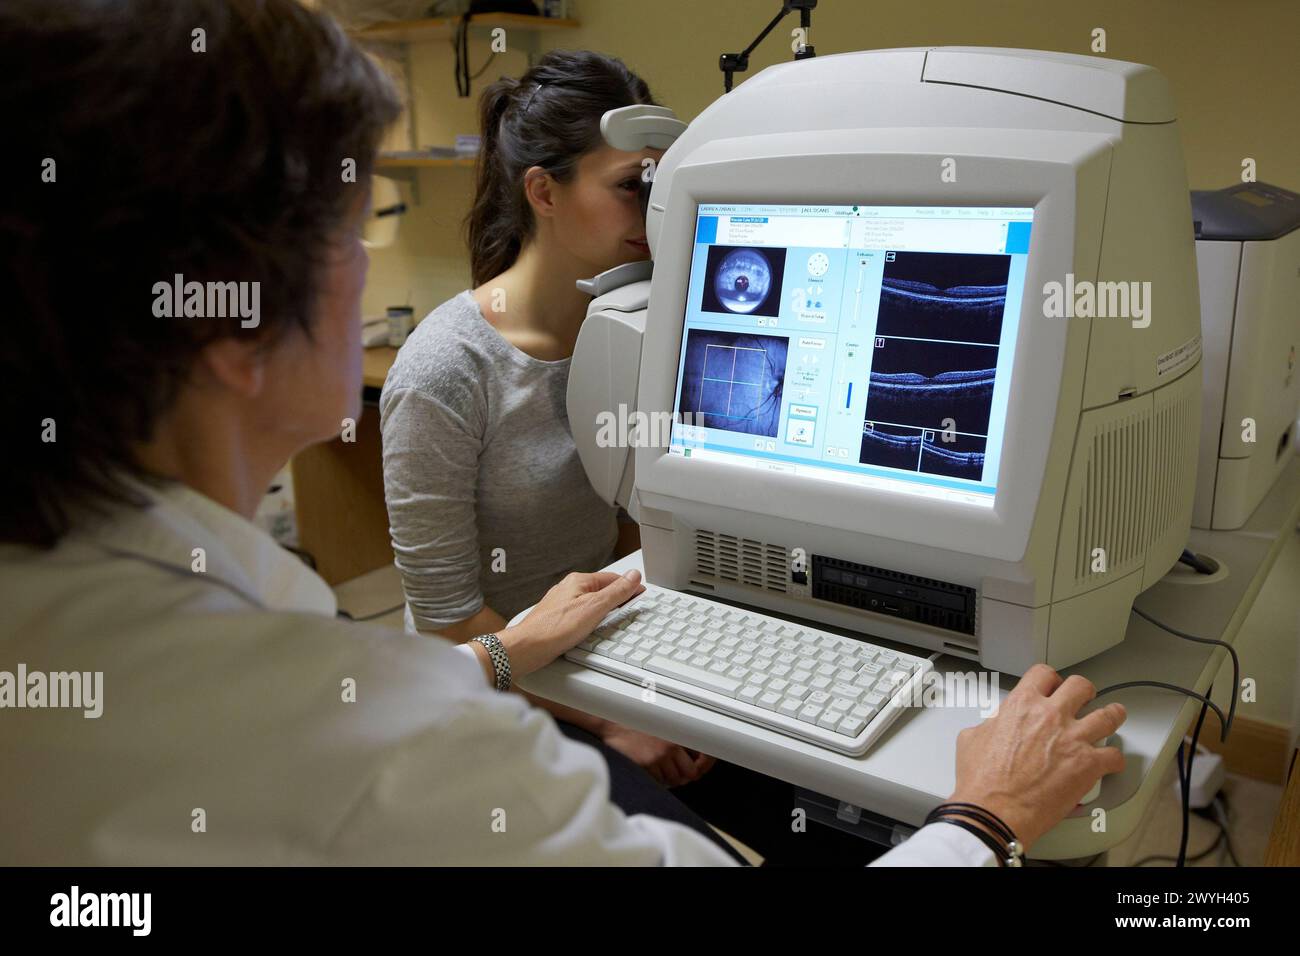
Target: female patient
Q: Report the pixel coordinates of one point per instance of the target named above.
(488, 503)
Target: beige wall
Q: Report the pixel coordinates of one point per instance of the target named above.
(1234, 66)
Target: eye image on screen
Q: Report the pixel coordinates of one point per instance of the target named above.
(733, 381)
(923, 450)
(890, 446)
(935, 295)
(963, 457)
(921, 383)
(743, 280)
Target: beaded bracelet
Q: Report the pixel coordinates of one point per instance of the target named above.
(1001, 841)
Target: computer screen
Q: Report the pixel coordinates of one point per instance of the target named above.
(871, 345)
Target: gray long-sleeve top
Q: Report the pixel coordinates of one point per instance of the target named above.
(478, 457)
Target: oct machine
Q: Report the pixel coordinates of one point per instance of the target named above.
(926, 325)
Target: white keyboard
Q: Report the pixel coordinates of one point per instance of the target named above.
(838, 692)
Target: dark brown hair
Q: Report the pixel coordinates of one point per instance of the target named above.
(221, 165)
(549, 117)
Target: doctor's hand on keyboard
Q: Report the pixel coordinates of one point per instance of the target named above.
(566, 615)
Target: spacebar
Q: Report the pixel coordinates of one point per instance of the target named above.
(697, 676)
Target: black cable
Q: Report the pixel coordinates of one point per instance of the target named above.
(1193, 560)
(1223, 838)
(1187, 785)
(1191, 859)
(1225, 723)
(1221, 805)
(460, 66)
(1232, 651)
(1174, 687)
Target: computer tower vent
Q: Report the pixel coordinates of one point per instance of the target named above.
(1175, 439)
(726, 557)
(1113, 517)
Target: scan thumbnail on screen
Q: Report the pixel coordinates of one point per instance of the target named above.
(733, 381)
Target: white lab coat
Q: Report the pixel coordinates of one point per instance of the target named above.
(227, 735)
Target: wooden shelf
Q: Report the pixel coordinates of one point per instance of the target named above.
(427, 162)
(416, 31)
(375, 364)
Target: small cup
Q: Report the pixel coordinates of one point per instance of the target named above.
(401, 320)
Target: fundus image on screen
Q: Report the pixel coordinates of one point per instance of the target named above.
(944, 296)
(934, 362)
(743, 280)
(733, 381)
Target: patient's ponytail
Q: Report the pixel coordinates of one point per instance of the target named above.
(549, 117)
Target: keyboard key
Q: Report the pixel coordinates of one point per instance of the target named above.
(851, 726)
(790, 706)
(696, 676)
(830, 719)
(848, 691)
(749, 693)
(863, 711)
(769, 700)
(810, 713)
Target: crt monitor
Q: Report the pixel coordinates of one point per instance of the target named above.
(877, 315)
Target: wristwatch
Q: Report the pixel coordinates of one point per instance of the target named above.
(500, 659)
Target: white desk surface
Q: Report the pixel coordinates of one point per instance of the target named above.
(910, 768)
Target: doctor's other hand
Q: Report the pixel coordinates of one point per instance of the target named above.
(1033, 761)
(565, 615)
(668, 763)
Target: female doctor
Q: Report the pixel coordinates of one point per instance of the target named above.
(179, 240)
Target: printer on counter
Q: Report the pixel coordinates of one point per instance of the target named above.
(1248, 259)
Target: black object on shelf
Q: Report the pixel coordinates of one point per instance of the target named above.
(460, 41)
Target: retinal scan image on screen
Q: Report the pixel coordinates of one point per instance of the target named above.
(923, 375)
(744, 281)
(864, 344)
(733, 382)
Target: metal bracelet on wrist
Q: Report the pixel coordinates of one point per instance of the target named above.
(500, 659)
